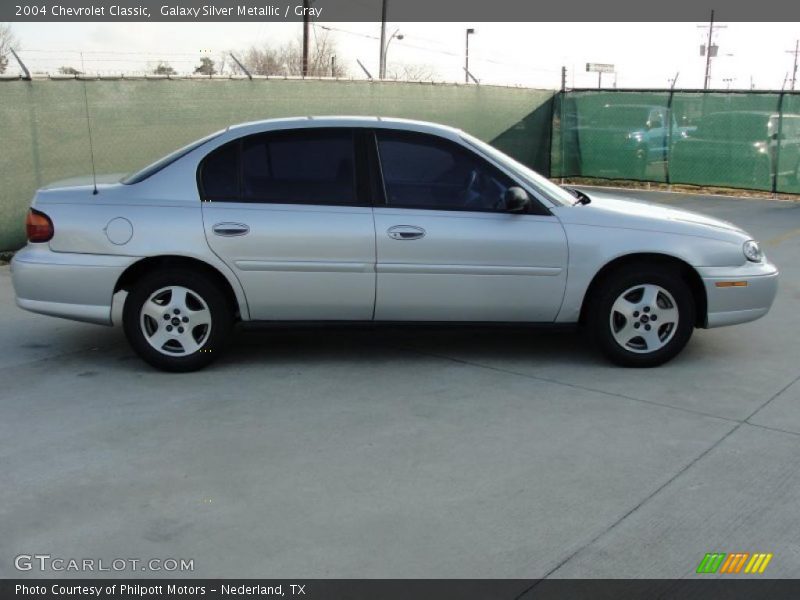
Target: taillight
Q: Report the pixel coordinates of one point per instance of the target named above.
(38, 226)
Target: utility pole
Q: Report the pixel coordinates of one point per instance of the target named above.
(710, 49)
(306, 23)
(563, 79)
(796, 51)
(333, 65)
(382, 61)
(470, 31)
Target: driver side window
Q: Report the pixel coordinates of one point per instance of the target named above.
(424, 171)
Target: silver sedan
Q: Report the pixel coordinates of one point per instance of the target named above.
(382, 220)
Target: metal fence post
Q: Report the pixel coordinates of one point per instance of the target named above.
(668, 151)
(779, 135)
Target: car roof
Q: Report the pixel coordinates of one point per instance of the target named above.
(343, 121)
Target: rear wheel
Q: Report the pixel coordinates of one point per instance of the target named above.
(642, 316)
(177, 320)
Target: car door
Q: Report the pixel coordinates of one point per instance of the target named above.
(285, 211)
(447, 250)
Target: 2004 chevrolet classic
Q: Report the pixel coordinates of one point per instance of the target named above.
(373, 219)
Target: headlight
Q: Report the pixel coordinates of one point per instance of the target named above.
(752, 252)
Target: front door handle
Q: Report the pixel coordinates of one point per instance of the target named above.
(230, 229)
(405, 232)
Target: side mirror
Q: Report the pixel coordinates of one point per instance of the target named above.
(516, 200)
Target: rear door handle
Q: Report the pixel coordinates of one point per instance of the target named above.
(405, 232)
(230, 229)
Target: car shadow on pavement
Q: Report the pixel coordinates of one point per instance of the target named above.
(307, 344)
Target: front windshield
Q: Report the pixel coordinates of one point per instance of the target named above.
(163, 163)
(553, 192)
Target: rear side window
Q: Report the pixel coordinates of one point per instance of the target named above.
(307, 166)
(220, 173)
(163, 163)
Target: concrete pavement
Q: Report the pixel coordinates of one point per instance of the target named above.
(409, 452)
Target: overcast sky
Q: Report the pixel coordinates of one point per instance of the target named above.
(527, 54)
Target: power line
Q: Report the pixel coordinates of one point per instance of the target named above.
(405, 44)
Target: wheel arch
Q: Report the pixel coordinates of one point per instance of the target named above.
(137, 270)
(688, 273)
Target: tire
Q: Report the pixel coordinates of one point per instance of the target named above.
(198, 331)
(621, 310)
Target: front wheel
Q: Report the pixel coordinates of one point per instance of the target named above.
(642, 317)
(177, 320)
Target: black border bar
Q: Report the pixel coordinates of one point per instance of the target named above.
(398, 10)
(732, 588)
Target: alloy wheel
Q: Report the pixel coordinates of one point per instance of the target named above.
(644, 318)
(175, 320)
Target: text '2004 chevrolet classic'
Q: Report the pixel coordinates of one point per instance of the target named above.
(378, 220)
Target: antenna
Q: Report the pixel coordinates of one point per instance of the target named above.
(89, 128)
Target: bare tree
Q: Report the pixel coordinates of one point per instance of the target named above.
(65, 70)
(260, 61)
(412, 73)
(223, 62)
(288, 59)
(7, 41)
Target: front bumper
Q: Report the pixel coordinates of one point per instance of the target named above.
(61, 284)
(730, 304)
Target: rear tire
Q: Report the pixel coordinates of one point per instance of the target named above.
(641, 316)
(177, 319)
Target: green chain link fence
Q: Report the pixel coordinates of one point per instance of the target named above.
(747, 140)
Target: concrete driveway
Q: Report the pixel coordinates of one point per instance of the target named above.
(409, 452)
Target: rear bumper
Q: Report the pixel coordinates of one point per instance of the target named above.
(72, 286)
(731, 304)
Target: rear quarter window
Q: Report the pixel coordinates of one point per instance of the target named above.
(163, 163)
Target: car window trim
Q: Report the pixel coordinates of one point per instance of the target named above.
(537, 207)
(376, 181)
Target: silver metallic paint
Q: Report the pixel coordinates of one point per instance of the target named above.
(330, 262)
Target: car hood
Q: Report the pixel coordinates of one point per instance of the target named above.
(612, 211)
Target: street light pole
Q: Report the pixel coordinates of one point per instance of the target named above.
(305, 38)
(470, 31)
(394, 35)
(382, 59)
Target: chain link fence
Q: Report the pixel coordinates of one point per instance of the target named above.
(134, 122)
(748, 140)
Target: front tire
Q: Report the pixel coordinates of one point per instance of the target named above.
(177, 320)
(642, 316)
